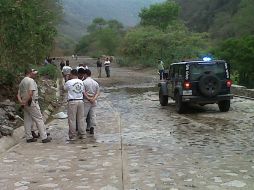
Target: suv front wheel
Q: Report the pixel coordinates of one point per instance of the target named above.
(224, 105)
(180, 106)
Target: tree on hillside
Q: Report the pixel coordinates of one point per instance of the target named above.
(144, 45)
(200, 15)
(104, 38)
(244, 18)
(97, 24)
(160, 15)
(26, 34)
(240, 54)
(161, 34)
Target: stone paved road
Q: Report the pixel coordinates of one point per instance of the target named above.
(204, 149)
(140, 145)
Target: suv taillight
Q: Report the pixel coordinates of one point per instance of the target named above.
(187, 85)
(229, 83)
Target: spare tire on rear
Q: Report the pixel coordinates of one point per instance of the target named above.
(209, 85)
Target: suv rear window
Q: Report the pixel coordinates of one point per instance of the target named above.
(197, 70)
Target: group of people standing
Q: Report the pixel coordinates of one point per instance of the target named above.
(107, 63)
(83, 92)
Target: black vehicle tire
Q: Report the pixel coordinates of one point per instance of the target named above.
(180, 106)
(209, 85)
(224, 105)
(163, 98)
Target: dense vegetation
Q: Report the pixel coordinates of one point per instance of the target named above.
(229, 23)
(27, 34)
(103, 38)
(148, 41)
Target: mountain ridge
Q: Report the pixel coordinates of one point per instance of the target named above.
(79, 14)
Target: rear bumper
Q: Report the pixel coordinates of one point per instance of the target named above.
(207, 100)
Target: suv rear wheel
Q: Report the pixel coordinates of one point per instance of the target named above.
(180, 106)
(209, 85)
(224, 105)
(163, 98)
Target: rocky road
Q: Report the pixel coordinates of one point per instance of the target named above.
(140, 145)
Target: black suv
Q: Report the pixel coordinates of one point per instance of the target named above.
(201, 82)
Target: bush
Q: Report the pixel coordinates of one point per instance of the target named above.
(7, 78)
(49, 71)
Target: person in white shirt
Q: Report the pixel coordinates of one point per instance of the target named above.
(66, 70)
(107, 65)
(91, 93)
(75, 88)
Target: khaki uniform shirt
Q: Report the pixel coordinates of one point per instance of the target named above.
(91, 87)
(25, 85)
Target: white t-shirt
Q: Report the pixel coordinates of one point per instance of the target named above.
(75, 89)
(66, 70)
(107, 63)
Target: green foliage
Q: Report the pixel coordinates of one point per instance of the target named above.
(49, 71)
(104, 38)
(145, 44)
(26, 34)
(161, 35)
(7, 78)
(221, 18)
(160, 15)
(200, 15)
(240, 54)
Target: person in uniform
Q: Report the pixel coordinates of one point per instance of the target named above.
(28, 98)
(62, 64)
(91, 93)
(66, 70)
(75, 109)
(161, 68)
(81, 76)
(99, 65)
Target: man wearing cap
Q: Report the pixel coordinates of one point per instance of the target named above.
(66, 70)
(75, 109)
(28, 98)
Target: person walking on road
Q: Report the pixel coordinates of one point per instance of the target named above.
(28, 98)
(91, 93)
(99, 65)
(75, 109)
(161, 68)
(107, 65)
(62, 64)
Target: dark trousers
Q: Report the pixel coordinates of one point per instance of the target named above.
(107, 71)
(161, 74)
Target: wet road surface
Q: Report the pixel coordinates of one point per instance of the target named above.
(203, 149)
(140, 145)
